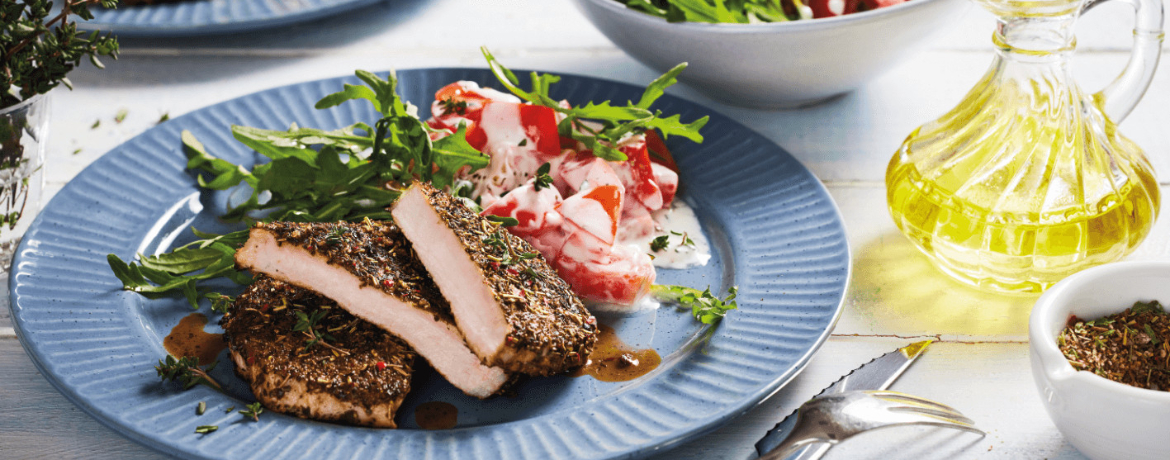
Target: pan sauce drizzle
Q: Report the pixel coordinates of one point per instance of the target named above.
(614, 361)
(188, 339)
(436, 415)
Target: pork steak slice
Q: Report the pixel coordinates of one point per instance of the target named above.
(511, 306)
(358, 378)
(370, 270)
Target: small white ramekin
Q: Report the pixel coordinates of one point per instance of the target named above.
(1101, 418)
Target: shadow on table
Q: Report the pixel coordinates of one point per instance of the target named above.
(895, 287)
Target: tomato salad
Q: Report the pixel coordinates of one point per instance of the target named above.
(596, 221)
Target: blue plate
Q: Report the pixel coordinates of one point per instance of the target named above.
(775, 233)
(197, 17)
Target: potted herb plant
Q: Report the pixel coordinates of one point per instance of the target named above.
(39, 46)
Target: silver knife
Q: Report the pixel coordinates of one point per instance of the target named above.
(874, 375)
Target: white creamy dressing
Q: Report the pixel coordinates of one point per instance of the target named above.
(676, 222)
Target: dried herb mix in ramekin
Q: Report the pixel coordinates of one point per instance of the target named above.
(1131, 347)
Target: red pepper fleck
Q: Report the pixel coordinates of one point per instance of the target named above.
(509, 339)
(251, 360)
(495, 265)
(513, 272)
(381, 365)
(387, 282)
(590, 320)
(264, 307)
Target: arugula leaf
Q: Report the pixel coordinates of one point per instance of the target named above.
(616, 121)
(453, 153)
(715, 11)
(314, 176)
(704, 306)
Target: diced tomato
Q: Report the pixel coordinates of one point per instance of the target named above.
(637, 223)
(540, 124)
(595, 211)
(528, 206)
(620, 277)
(584, 170)
(638, 176)
(539, 222)
(658, 152)
(667, 181)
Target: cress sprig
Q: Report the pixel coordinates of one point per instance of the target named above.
(705, 306)
(616, 121)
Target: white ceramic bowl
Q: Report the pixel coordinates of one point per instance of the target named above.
(1101, 418)
(776, 65)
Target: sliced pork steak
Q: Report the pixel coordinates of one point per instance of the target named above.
(511, 306)
(358, 378)
(370, 270)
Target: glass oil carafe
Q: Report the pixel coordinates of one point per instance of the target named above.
(1028, 180)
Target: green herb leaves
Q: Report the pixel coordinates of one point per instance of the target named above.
(253, 412)
(313, 176)
(659, 243)
(307, 323)
(543, 179)
(186, 370)
(615, 121)
(704, 306)
(718, 11)
(158, 276)
(37, 52)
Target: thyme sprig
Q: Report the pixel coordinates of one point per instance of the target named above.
(38, 51)
(187, 371)
(307, 323)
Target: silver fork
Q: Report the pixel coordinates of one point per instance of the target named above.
(833, 418)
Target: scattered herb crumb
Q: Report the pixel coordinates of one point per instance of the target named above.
(229, 409)
(76, 151)
(201, 408)
(121, 115)
(164, 117)
(686, 240)
(95, 124)
(204, 429)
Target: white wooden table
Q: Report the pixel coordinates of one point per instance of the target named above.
(979, 363)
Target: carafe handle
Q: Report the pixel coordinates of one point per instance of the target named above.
(1120, 97)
